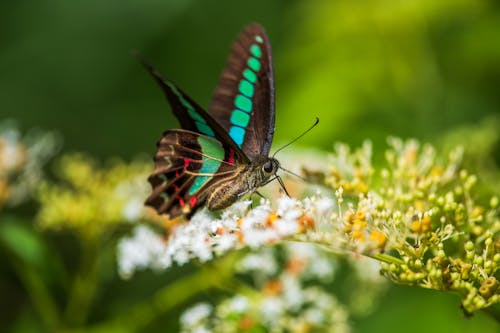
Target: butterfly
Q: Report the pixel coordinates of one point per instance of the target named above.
(220, 155)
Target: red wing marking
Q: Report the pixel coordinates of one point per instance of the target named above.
(181, 200)
(192, 201)
(230, 160)
(186, 162)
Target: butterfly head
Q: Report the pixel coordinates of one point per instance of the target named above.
(269, 167)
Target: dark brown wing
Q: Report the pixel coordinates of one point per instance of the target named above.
(190, 115)
(243, 102)
(186, 164)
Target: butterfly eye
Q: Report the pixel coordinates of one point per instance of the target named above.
(268, 167)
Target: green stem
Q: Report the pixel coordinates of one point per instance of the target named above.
(385, 258)
(84, 285)
(39, 294)
(214, 275)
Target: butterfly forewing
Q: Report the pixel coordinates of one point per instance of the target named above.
(190, 115)
(187, 164)
(243, 102)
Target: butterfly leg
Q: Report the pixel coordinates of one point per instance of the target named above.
(251, 197)
(278, 178)
(282, 185)
(260, 194)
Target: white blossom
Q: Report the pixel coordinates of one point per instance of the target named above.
(194, 315)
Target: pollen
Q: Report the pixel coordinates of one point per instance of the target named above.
(240, 236)
(295, 266)
(273, 217)
(305, 222)
(220, 230)
(358, 235)
(273, 287)
(379, 238)
(246, 323)
(422, 226)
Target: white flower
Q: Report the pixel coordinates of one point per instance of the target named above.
(324, 205)
(314, 316)
(237, 209)
(225, 243)
(263, 262)
(194, 315)
(206, 236)
(144, 249)
(286, 227)
(239, 304)
(272, 309)
(133, 209)
(292, 292)
(289, 208)
(322, 268)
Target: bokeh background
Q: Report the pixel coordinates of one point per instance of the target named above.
(368, 69)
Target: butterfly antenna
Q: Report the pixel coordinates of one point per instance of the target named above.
(293, 174)
(304, 133)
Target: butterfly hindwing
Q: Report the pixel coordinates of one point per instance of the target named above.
(187, 164)
(243, 102)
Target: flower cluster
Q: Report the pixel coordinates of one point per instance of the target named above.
(21, 162)
(279, 299)
(420, 218)
(418, 215)
(206, 236)
(92, 199)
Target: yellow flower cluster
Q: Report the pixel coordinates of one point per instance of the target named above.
(90, 199)
(421, 220)
(350, 171)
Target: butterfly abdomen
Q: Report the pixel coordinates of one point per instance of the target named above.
(243, 182)
(225, 195)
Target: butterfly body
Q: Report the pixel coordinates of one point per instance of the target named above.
(220, 155)
(247, 180)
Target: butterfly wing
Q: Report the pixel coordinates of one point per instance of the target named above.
(187, 167)
(190, 115)
(243, 102)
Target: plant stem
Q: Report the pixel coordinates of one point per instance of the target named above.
(214, 275)
(40, 296)
(84, 285)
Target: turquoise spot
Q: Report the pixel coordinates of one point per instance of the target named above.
(164, 196)
(240, 118)
(195, 116)
(254, 64)
(204, 129)
(179, 95)
(259, 39)
(243, 103)
(250, 76)
(213, 153)
(237, 134)
(246, 88)
(255, 50)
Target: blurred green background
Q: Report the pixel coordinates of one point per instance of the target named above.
(367, 69)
